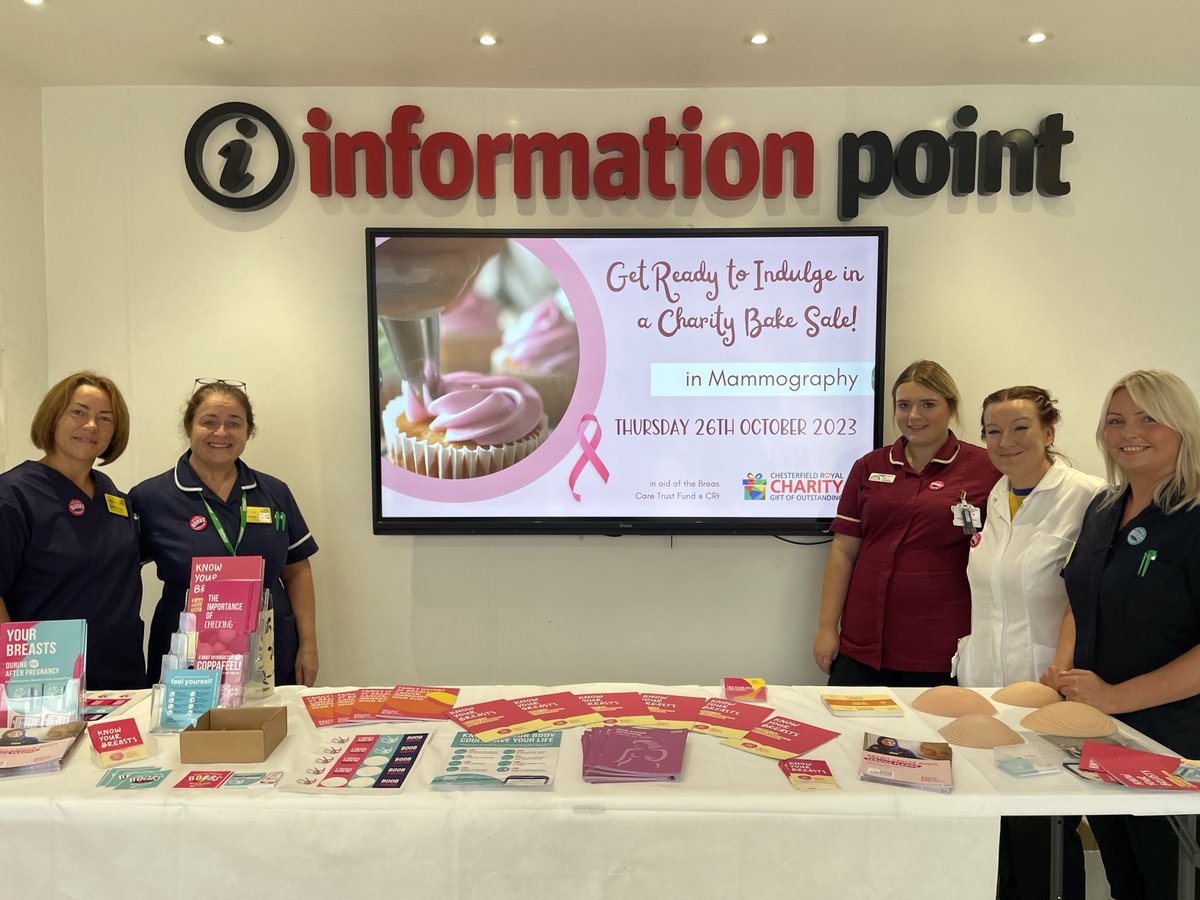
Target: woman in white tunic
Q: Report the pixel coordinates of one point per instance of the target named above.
(1018, 597)
(1033, 518)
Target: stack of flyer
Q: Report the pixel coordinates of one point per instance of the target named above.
(614, 753)
(401, 703)
(862, 705)
(219, 627)
(41, 694)
(1138, 768)
(925, 765)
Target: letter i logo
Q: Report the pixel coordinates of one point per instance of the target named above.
(234, 177)
(241, 150)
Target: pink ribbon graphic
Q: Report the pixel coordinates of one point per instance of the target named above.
(589, 455)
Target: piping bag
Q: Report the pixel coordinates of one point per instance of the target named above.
(415, 279)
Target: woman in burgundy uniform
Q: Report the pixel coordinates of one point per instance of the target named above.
(895, 598)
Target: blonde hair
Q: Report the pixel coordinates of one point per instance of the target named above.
(1168, 399)
(929, 374)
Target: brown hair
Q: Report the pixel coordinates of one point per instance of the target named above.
(1048, 415)
(58, 398)
(204, 391)
(931, 375)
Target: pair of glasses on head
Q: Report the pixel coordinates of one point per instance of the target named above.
(209, 382)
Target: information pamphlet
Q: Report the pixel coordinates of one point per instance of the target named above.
(808, 774)
(183, 697)
(747, 690)
(116, 742)
(673, 710)
(401, 703)
(613, 753)
(728, 718)
(98, 704)
(619, 708)
(1071, 747)
(925, 765)
(862, 705)
(523, 760)
(37, 751)
(1134, 768)
(494, 719)
(782, 738)
(559, 710)
(42, 672)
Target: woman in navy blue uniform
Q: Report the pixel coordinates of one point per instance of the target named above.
(1131, 645)
(68, 538)
(212, 504)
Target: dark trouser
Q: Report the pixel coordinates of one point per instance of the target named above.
(1141, 856)
(847, 672)
(1025, 859)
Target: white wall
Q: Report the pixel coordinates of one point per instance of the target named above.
(22, 266)
(150, 283)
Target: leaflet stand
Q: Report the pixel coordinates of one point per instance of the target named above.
(261, 681)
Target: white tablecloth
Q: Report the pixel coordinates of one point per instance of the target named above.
(732, 827)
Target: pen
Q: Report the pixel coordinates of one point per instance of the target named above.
(1148, 557)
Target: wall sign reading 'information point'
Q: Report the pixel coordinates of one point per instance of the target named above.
(666, 159)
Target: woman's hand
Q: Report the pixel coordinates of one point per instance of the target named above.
(825, 647)
(307, 664)
(298, 582)
(1085, 686)
(1050, 677)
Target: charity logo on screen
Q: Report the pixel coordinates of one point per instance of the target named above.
(754, 487)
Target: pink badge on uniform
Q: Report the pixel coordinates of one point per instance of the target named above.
(198, 523)
(976, 538)
(936, 485)
(76, 507)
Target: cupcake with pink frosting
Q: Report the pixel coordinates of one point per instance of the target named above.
(470, 330)
(477, 425)
(542, 348)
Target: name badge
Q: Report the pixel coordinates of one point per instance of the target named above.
(885, 477)
(116, 505)
(258, 515)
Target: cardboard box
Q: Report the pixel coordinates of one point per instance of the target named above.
(235, 735)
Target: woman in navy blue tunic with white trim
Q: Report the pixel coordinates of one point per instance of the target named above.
(212, 504)
(68, 538)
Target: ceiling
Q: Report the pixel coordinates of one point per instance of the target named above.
(617, 43)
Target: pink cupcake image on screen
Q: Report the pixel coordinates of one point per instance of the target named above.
(542, 348)
(478, 425)
(470, 331)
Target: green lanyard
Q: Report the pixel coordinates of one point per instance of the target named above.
(232, 548)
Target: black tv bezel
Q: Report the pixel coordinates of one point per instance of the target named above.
(605, 525)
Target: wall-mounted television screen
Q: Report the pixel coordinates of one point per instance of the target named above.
(666, 381)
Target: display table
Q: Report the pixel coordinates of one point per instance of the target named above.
(732, 827)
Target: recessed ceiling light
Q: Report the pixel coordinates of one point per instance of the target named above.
(215, 39)
(760, 38)
(34, 2)
(1037, 37)
(488, 40)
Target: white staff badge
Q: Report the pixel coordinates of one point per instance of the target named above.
(968, 517)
